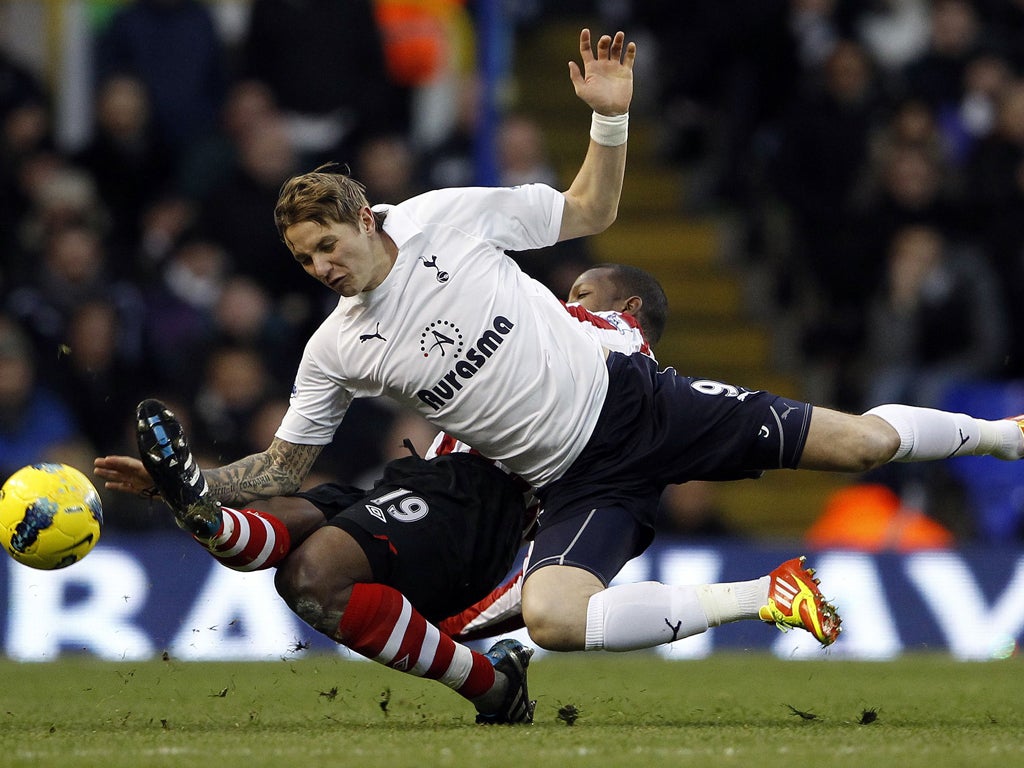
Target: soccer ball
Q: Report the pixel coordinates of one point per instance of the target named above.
(50, 516)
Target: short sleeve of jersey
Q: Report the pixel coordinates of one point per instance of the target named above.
(510, 218)
(317, 404)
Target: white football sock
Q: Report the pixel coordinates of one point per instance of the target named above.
(627, 617)
(723, 603)
(927, 434)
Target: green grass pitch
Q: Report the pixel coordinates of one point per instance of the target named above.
(633, 710)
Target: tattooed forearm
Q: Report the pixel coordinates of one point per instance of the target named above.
(277, 471)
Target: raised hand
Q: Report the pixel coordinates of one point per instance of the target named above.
(606, 80)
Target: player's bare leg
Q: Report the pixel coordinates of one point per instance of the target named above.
(555, 602)
(317, 582)
(300, 517)
(849, 443)
(844, 442)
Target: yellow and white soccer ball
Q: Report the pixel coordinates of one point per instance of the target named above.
(50, 516)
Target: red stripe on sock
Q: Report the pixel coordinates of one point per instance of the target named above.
(410, 646)
(480, 679)
(250, 522)
(238, 527)
(442, 658)
(370, 617)
(373, 614)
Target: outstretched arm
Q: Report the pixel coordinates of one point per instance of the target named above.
(277, 471)
(606, 85)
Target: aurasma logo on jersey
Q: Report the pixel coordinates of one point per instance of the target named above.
(475, 359)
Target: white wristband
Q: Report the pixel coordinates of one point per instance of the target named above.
(609, 130)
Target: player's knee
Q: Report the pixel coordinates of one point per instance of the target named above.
(848, 443)
(551, 627)
(300, 582)
(552, 635)
(291, 580)
(877, 444)
(555, 600)
(860, 456)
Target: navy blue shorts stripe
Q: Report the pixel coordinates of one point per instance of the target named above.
(599, 541)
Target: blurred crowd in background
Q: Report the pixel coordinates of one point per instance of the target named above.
(871, 154)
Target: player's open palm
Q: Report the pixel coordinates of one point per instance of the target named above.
(606, 81)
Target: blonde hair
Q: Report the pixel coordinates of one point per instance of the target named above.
(321, 196)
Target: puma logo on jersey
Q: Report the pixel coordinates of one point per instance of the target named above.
(374, 335)
(786, 412)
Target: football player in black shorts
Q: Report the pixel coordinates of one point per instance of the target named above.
(431, 539)
(373, 570)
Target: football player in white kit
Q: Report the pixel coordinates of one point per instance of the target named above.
(433, 314)
(430, 541)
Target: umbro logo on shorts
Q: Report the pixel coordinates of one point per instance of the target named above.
(400, 505)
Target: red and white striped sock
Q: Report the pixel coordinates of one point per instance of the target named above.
(249, 540)
(381, 624)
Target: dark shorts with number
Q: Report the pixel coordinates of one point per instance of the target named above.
(444, 532)
(657, 428)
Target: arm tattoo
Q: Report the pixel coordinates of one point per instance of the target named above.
(278, 471)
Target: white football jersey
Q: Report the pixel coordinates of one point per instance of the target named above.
(460, 334)
(615, 331)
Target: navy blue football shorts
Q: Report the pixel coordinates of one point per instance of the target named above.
(443, 532)
(657, 428)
